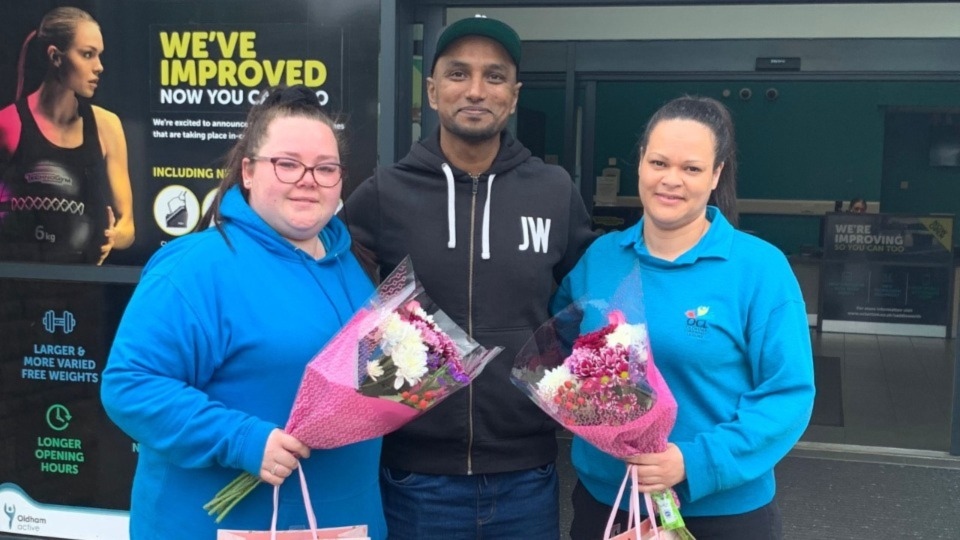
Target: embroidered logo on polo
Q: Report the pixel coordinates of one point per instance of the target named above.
(697, 321)
(536, 234)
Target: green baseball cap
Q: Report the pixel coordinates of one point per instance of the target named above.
(480, 25)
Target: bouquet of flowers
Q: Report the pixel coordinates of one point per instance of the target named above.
(603, 385)
(397, 357)
(412, 355)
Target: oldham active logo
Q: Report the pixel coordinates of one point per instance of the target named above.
(697, 321)
(25, 523)
(11, 512)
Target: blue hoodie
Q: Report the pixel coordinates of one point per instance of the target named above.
(206, 363)
(728, 331)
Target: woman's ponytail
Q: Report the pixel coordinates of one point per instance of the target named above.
(22, 63)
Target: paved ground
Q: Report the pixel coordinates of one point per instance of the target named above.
(840, 499)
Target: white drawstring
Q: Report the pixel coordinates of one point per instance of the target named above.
(452, 214)
(485, 242)
(451, 211)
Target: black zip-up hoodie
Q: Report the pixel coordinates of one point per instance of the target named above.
(489, 251)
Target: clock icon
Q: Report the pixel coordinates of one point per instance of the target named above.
(58, 417)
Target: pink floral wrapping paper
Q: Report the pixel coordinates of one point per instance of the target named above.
(328, 411)
(334, 406)
(646, 434)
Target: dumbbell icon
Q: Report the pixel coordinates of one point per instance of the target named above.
(51, 322)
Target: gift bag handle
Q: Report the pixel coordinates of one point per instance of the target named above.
(311, 518)
(633, 518)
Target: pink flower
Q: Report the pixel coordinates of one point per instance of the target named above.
(616, 318)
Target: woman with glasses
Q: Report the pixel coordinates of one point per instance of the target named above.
(65, 193)
(210, 352)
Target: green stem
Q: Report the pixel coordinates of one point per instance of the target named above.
(239, 498)
(227, 490)
(231, 494)
(430, 382)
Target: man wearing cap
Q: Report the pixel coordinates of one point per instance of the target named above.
(490, 230)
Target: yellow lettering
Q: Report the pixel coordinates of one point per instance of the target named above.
(315, 73)
(251, 73)
(228, 73)
(273, 71)
(208, 70)
(246, 44)
(183, 71)
(227, 43)
(294, 72)
(198, 45)
(174, 45)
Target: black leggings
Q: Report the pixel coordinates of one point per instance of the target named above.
(590, 519)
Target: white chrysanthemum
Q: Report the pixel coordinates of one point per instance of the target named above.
(395, 331)
(410, 357)
(552, 380)
(627, 334)
(374, 370)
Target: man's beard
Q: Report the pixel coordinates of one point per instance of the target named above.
(475, 135)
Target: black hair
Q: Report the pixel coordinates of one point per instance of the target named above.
(715, 116)
(855, 201)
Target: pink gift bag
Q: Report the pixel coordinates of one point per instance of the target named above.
(644, 530)
(354, 532)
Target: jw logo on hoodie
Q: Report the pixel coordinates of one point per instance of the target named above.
(536, 232)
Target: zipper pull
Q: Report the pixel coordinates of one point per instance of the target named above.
(476, 183)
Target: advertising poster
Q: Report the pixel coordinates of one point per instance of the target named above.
(167, 86)
(887, 274)
(206, 79)
(116, 149)
(63, 457)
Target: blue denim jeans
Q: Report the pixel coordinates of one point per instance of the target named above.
(521, 504)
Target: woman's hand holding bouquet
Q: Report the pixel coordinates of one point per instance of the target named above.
(603, 386)
(395, 359)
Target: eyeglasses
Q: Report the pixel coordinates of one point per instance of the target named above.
(291, 171)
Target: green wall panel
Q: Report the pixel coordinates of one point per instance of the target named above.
(818, 140)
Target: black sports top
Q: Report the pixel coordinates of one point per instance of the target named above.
(53, 200)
